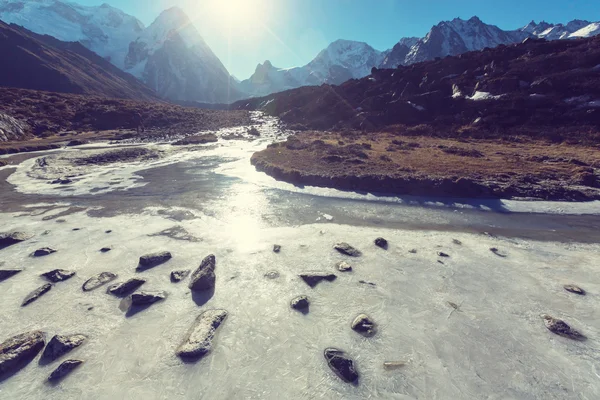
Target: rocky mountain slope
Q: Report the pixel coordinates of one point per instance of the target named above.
(45, 63)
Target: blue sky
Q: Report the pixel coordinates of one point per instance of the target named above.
(292, 32)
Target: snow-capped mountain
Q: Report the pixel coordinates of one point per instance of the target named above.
(340, 61)
(171, 57)
(105, 30)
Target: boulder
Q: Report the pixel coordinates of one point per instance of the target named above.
(64, 369)
(45, 251)
(179, 275)
(574, 289)
(60, 345)
(152, 260)
(348, 250)
(36, 294)
(312, 279)
(10, 238)
(125, 288)
(364, 325)
(300, 303)
(19, 349)
(98, 280)
(58, 275)
(199, 339)
(8, 273)
(146, 298)
(204, 277)
(342, 365)
(560, 327)
(381, 242)
(343, 266)
(276, 248)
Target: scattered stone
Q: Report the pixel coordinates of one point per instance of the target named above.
(146, 298)
(364, 325)
(10, 238)
(108, 231)
(312, 279)
(76, 229)
(272, 275)
(441, 262)
(341, 364)
(442, 254)
(253, 131)
(60, 345)
(179, 275)
(197, 139)
(575, 289)
(61, 221)
(8, 273)
(61, 181)
(125, 288)
(497, 252)
(98, 280)
(413, 251)
(58, 275)
(343, 266)
(20, 348)
(152, 260)
(199, 339)
(276, 248)
(300, 303)
(36, 294)
(348, 250)
(367, 283)
(105, 249)
(457, 242)
(177, 233)
(45, 251)
(64, 369)
(381, 242)
(391, 365)
(204, 277)
(560, 327)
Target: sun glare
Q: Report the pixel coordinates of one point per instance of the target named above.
(238, 14)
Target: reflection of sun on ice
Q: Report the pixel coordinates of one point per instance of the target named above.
(237, 13)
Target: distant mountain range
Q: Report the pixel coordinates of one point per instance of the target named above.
(171, 57)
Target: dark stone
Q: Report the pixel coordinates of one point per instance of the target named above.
(58, 275)
(10, 238)
(76, 229)
(178, 276)
(497, 252)
(204, 277)
(276, 248)
(108, 231)
(560, 327)
(457, 242)
(381, 242)
(98, 280)
(272, 275)
(60, 345)
(575, 289)
(105, 249)
(312, 279)
(146, 298)
(301, 304)
(413, 251)
(20, 349)
(8, 273)
(367, 283)
(341, 364)
(36, 294)
(61, 181)
(152, 260)
(343, 266)
(199, 339)
(442, 254)
(64, 369)
(364, 325)
(43, 252)
(348, 250)
(125, 288)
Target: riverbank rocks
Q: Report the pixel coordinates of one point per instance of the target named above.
(199, 339)
(105, 249)
(364, 325)
(98, 280)
(44, 251)
(153, 260)
(8, 273)
(342, 365)
(146, 298)
(10, 238)
(125, 288)
(574, 289)
(312, 279)
(560, 327)
(64, 369)
(381, 242)
(204, 277)
(301, 304)
(276, 248)
(60, 345)
(179, 275)
(343, 266)
(58, 275)
(19, 349)
(36, 294)
(348, 250)
(442, 254)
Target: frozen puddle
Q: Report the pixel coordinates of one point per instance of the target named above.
(494, 345)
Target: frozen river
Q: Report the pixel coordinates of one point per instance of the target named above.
(492, 345)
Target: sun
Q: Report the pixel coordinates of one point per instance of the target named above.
(237, 14)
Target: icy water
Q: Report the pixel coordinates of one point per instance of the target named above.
(492, 345)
